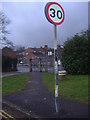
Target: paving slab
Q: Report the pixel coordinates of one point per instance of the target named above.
(39, 102)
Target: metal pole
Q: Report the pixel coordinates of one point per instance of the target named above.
(40, 65)
(56, 70)
(46, 62)
(30, 64)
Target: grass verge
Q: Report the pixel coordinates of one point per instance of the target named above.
(15, 83)
(75, 87)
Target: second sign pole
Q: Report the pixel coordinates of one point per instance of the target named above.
(56, 69)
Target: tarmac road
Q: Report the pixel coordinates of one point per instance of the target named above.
(12, 112)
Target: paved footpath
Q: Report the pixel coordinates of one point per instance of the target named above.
(5, 74)
(40, 103)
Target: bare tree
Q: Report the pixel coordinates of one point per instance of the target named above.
(4, 21)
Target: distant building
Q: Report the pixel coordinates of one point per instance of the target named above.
(37, 53)
(27, 55)
(32, 53)
(50, 52)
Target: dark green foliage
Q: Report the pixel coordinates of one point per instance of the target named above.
(75, 55)
(89, 54)
(9, 64)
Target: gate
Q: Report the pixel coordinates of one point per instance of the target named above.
(42, 64)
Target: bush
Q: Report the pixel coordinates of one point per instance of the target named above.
(75, 55)
(7, 63)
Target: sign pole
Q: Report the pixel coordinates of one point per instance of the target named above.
(55, 15)
(56, 69)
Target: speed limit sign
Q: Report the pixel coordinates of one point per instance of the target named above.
(54, 13)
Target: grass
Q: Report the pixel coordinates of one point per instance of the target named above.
(13, 84)
(75, 87)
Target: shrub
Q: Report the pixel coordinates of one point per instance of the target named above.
(7, 63)
(75, 55)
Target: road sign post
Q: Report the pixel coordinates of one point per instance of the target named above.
(55, 15)
(56, 69)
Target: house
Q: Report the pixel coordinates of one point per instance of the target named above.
(27, 55)
(43, 53)
(51, 52)
(35, 54)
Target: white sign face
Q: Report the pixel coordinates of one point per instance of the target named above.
(54, 13)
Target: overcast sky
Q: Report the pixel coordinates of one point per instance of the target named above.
(30, 28)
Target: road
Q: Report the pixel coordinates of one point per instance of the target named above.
(11, 112)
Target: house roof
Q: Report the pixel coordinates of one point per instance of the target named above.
(28, 53)
(39, 54)
(29, 50)
(42, 50)
(34, 52)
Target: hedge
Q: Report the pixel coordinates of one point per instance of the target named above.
(75, 55)
(9, 64)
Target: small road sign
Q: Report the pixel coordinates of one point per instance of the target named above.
(54, 13)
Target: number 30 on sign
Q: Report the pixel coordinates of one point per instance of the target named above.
(54, 13)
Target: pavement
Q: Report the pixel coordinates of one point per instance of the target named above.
(20, 69)
(39, 103)
(5, 74)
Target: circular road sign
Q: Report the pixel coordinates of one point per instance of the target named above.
(54, 13)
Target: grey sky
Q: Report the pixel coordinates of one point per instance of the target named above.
(89, 13)
(29, 26)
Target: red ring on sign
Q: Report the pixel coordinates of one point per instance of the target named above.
(55, 23)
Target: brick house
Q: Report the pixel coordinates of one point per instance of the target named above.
(32, 53)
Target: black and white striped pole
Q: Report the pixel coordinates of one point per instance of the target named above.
(55, 15)
(56, 69)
